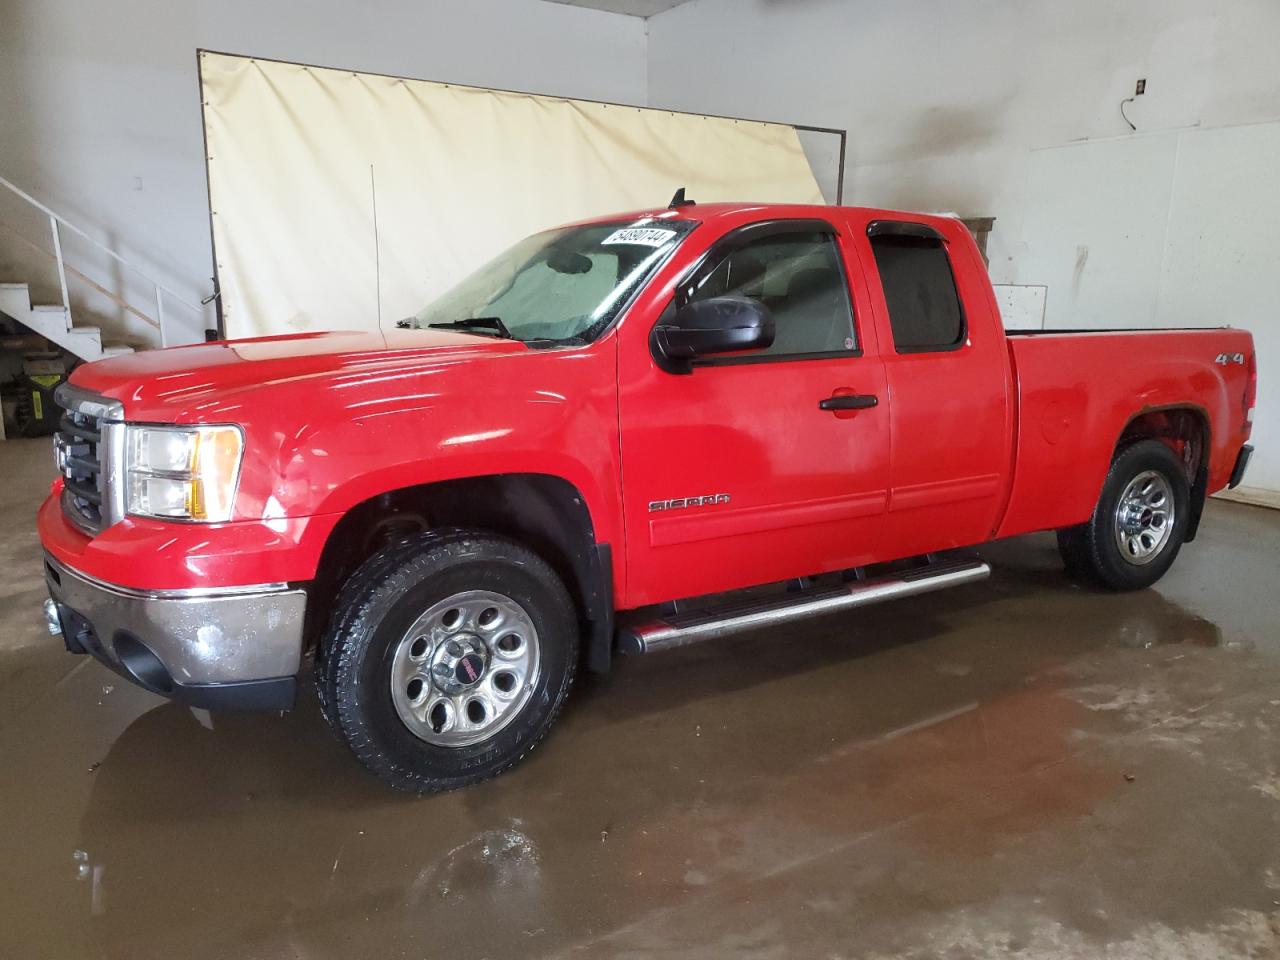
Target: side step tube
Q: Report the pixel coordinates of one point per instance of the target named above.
(676, 630)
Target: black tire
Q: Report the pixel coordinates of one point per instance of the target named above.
(1090, 551)
(382, 601)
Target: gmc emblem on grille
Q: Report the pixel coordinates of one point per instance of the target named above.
(711, 499)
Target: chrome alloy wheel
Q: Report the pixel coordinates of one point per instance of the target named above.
(465, 668)
(1144, 517)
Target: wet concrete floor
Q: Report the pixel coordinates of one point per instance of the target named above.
(1018, 768)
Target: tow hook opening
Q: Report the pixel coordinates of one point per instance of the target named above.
(141, 664)
(51, 619)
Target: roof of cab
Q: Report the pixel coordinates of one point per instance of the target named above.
(710, 212)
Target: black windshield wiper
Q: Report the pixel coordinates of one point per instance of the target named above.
(477, 325)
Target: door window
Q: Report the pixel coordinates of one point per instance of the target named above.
(799, 277)
(920, 291)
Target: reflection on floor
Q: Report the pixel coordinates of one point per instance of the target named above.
(1020, 767)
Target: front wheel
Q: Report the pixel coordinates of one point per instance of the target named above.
(449, 658)
(1139, 523)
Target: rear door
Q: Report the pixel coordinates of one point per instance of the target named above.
(948, 374)
(744, 471)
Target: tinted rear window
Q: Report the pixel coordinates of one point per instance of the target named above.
(920, 290)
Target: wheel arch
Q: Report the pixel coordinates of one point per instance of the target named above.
(1186, 429)
(546, 513)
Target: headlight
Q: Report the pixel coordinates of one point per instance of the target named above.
(183, 473)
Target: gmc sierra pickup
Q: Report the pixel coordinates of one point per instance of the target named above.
(594, 444)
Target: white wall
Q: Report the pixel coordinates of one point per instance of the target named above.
(987, 107)
(99, 106)
(1012, 110)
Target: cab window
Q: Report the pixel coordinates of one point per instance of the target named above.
(920, 292)
(800, 278)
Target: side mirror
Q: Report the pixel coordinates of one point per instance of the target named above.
(706, 327)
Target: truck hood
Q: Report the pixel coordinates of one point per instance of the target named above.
(163, 385)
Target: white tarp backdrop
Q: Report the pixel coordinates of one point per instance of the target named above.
(297, 155)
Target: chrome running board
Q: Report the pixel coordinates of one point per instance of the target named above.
(678, 629)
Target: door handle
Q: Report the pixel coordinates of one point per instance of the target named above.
(849, 401)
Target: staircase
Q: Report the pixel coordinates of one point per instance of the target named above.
(54, 321)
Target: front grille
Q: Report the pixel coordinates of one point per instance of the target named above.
(78, 441)
(83, 450)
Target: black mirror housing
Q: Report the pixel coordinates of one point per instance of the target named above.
(707, 327)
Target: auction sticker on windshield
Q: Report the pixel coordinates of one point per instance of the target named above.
(644, 236)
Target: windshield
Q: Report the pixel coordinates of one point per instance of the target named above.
(563, 286)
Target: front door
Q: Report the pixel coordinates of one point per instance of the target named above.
(760, 466)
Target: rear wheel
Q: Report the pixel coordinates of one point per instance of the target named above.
(1139, 522)
(448, 660)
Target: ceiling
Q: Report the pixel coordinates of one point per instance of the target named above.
(634, 8)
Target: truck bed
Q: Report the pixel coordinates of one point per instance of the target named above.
(1077, 391)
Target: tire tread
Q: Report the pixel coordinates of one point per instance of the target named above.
(358, 605)
(1086, 548)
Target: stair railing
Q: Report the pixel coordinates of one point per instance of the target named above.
(56, 222)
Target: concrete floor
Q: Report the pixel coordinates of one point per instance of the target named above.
(1019, 768)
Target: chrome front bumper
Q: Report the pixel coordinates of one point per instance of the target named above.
(238, 647)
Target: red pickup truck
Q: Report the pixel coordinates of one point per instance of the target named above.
(594, 444)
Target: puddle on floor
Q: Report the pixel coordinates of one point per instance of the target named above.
(1019, 765)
